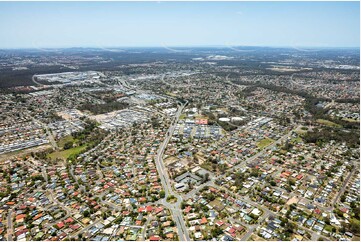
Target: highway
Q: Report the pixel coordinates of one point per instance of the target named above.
(166, 184)
(37, 83)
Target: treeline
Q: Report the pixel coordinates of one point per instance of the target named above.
(10, 78)
(90, 136)
(227, 126)
(325, 134)
(103, 108)
(348, 100)
(321, 113)
(181, 100)
(89, 127)
(248, 91)
(310, 102)
(294, 92)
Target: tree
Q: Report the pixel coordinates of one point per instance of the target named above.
(355, 226)
(206, 177)
(183, 205)
(216, 232)
(68, 145)
(291, 182)
(254, 173)
(327, 221)
(86, 213)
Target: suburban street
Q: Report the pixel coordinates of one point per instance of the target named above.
(166, 184)
(10, 225)
(262, 152)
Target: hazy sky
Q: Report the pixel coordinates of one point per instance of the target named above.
(104, 24)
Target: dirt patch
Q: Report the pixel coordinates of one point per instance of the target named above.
(292, 201)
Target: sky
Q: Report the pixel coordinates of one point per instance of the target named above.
(167, 24)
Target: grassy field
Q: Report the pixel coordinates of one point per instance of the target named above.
(296, 140)
(301, 130)
(183, 116)
(265, 142)
(328, 228)
(328, 123)
(207, 166)
(66, 153)
(171, 94)
(65, 139)
(171, 199)
(201, 117)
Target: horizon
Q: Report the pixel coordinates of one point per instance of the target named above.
(179, 24)
(185, 46)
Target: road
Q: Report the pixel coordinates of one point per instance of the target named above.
(50, 137)
(332, 103)
(82, 188)
(55, 201)
(343, 187)
(10, 225)
(166, 184)
(85, 229)
(194, 191)
(265, 215)
(48, 133)
(45, 175)
(262, 152)
(145, 227)
(37, 83)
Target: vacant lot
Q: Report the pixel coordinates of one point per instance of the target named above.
(265, 142)
(66, 153)
(327, 123)
(65, 139)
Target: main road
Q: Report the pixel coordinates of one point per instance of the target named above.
(175, 208)
(10, 225)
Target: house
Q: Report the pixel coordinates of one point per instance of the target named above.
(158, 210)
(69, 220)
(170, 236)
(149, 209)
(166, 224)
(204, 221)
(60, 225)
(256, 212)
(154, 238)
(198, 235)
(219, 223)
(187, 209)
